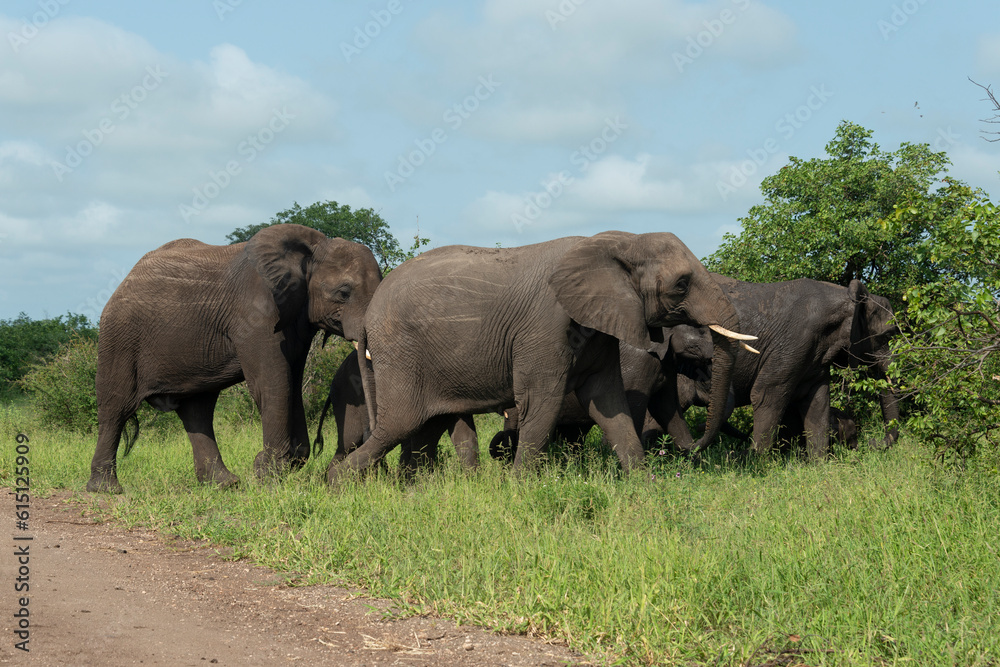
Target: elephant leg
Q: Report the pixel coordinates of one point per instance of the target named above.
(282, 416)
(537, 414)
(666, 412)
(196, 413)
(466, 441)
(889, 402)
(767, 418)
(604, 399)
(815, 410)
(406, 421)
(420, 450)
(104, 466)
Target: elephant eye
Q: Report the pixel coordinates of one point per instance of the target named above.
(341, 292)
(682, 285)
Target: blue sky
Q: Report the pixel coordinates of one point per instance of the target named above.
(126, 125)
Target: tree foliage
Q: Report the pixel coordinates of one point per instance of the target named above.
(25, 342)
(821, 218)
(362, 225)
(946, 358)
(929, 243)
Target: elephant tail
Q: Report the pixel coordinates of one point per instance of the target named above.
(130, 434)
(318, 442)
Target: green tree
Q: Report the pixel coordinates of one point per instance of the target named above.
(929, 243)
(25, 342)
(946, 358)
(821, 218)
(362, 225)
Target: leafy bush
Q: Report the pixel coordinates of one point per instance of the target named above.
(25, 342)
(62, 389)
(947, 356)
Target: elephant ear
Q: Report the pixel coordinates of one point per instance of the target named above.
(282, 254)
(593, 283)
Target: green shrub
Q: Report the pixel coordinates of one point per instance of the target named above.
(62, 389)
(25, 342)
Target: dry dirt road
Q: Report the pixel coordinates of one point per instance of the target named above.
(104, 595)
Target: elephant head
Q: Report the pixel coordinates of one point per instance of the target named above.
(625, 284)
(331, 279)
(873, 327)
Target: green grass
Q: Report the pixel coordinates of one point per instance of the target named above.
(870, 559)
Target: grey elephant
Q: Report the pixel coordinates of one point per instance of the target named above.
(346, 401)
(464, 330)
(191, 319)
(646, 376)
(803, 327)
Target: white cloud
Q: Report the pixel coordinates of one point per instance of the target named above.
(988, 54)
(552, 66)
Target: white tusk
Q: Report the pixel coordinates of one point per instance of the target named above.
(355, 345)
(730, 334)
(750, 349)
(505, 414)
(368, 355)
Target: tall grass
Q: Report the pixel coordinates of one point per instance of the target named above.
(871, 558)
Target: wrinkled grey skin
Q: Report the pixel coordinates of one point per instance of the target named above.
(649, 378)
(347, 401)
(462, 330)
(803, 327)
(191, 319)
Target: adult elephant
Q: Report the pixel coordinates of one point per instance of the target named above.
(191, 319)
(346, 400)
(803, 328)
(646, 375)
(464, 330)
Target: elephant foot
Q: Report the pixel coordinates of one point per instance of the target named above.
(337, 475)
(217, 474)
(104, 483)
(267, 466)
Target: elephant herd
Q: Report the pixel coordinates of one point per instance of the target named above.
(622, 330)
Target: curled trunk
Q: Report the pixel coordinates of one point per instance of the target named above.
(723, 361)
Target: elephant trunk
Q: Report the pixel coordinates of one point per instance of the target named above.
(723, 362)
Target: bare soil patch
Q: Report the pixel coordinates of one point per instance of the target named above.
(101, 594)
